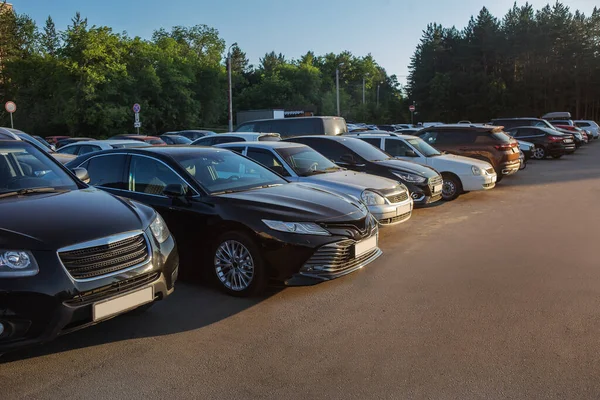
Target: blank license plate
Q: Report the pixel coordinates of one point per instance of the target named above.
(437, 188)
(365, 246)
(118, 305)
(400, 210)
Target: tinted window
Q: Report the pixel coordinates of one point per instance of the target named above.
(582, 124)
(205, 141)
(69, 150)
(301, 126)
(329, 148)
(306, 161)
(448, 137)
(226, 139)
(167, 139)
(107, 171)
(396, 148)
(239, 150)
(246, 127)
(87, 148)
(155, 141)
(372, 141)
(267, 159)
(334, 126)
(484, 138)
(150, 176)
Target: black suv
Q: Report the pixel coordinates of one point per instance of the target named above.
(288, 127)
(70, 255)
(424, 183)
(548, 142)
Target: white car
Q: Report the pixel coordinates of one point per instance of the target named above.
(84, 147)
(460, 174)
(590, 126)
(231, 137)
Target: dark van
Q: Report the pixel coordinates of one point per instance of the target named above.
(288, 127)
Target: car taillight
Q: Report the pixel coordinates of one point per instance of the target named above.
(555, 139)
(507, 146)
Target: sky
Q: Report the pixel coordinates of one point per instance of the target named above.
(388, 29)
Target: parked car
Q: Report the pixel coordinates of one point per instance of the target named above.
(191, 134)
(80, 148)
(43, 141)
(153, 140)
(460, 174)
(580, 136)
(548, 142)
(483, 142)
(107, 257)
(54, 139)
(241, 222)
(527, 148)
(561, 118)
(175, 139)
(62, 158)
(516, 122)
(64, 142)
(236, 137)
(387, 200)
(590, 126)
(424, 183)
(288, 127)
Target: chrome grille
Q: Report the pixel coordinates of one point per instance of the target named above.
(398, 197)
(336, 258)
(398, 218)
(95, 261)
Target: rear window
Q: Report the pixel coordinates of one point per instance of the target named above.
(501, 136)
(269, 138)
(335, 126)
(155, 141)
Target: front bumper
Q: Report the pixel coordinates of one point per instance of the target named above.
(38, 309)
(391, 214)
(424, 194)
(472, 183)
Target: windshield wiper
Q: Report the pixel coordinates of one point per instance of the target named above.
(24, 192)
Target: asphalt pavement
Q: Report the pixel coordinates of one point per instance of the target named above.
(495, 295)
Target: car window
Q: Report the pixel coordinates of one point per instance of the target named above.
(334, 126)
(107, 171)
(151, 176)
(246, 127)
(87, 148)
(68, 150)
(239, 150)
(396, 147)
(484, 138)
(167, 139)
(226, 139)
(204, 141)
(373, 141)
(329, 148)
(269, 138)
(583, 124)
(526, 132)
(306, 161)
(267, 159)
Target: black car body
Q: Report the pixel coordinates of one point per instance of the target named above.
(58, 273)
(424, 183)
(209, 197)
(298, 126)
(548, 142)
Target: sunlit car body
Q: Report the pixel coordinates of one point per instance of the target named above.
(236, 137)
(80, 148)
(387, 200)
(62, 158)
(237, 220)
(60, 273)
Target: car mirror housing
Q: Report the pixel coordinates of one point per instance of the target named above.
(82, 174)
(174, 190)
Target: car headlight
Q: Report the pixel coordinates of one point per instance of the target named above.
(159, 229)
(410, 177)
(476, 170)
(17, 264)
(371, 198)
(302, 228)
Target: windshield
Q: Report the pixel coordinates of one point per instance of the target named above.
(155, 141)
(544, 124)
(366, 150)
(181, 140)
(305, 161)
(423, 148)
(23, 166)
(225, 172)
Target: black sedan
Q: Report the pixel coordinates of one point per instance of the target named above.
(548, 142)
(237, 219)
(70, 255)
(424, 183)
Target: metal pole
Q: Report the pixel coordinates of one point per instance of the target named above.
(337, 86)
(378, 95)
(229, 91)
(138, 130)
(412, 118)
(11, 122)
(363, 90)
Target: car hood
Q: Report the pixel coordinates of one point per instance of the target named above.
(408, 166)
(50, 221)
(450, 162)
(358, 181)
(295, 202)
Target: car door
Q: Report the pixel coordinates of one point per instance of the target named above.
(399, 148)
(532, 135)
(108, 172)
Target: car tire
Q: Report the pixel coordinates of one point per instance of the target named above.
(557, 156)
(237, 265)
(451, 188)
(539, 153)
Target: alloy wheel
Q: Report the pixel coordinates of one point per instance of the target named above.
(234, 265)
(539, 153)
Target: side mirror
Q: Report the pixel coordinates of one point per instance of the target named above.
(348, 159)
(82, 174)
(174, 190)
(410, 153)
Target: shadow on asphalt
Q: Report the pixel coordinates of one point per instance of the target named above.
(192, 306)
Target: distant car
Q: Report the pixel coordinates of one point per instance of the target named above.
(403, 126)
(484, 142)
(153, 140)
(299, 126)
(590, 126)
(516, 122)
(62, 158)
(97, 145)
(407, 131)
(43, 141)
(548, 142)
(460, 174)
(387, 200)
(465, 122)
(580, 136)
(175, 139)
(54, 139)
(424, 183)
(526, 148)
(388, 128)
(191, 134)
(236, 137)
(64, 142)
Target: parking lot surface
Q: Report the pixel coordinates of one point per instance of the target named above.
(494, 295)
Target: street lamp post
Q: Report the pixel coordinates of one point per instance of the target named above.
(337, 87)
(378, 85)
(230, 108)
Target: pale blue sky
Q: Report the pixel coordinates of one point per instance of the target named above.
(388, 29)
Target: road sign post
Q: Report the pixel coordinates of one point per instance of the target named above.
(137, 124)
(10, 108)
(412, 109)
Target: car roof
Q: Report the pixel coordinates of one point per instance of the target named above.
(9, 134)
(262, 145)
(164, 150)
(96, 142)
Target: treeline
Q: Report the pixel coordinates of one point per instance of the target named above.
(84, 80)
(525, 64)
